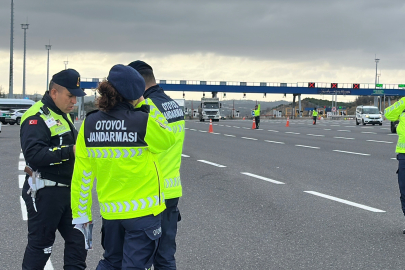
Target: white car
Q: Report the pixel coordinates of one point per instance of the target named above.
(12, 116)
(368, 115)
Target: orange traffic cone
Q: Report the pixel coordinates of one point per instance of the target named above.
(210, 130)
(77, 118)
(254, 124)
(243, 118)
(288, 122)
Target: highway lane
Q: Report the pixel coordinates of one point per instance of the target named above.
(235, 221)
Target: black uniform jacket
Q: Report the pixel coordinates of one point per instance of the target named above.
(38, 147)
(167, 106)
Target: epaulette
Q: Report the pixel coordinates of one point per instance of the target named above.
(94, 111)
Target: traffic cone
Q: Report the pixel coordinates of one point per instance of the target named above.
(254, 124)
(77, 118)
(288, 122)
(243, 118)
(210, 130)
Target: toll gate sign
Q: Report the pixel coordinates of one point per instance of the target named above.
(311, 85)
(333, 85)
(356, 86)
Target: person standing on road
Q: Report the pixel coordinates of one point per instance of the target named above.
(314, 116)
(170, 162)
(396, 113)
(47, 140)
(118, 145)
(257, 115)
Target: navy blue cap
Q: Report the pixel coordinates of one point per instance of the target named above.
(70, 79)
(127, 81)
(140, 65)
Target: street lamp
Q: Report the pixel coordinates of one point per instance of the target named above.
(375, 85)
(66, 63)
(47, 47)
(24, 26)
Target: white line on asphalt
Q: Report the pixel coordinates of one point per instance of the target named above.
(21, 165)
(211, 163)
(48, 265)
(202, 131)
(193, 129)
(334, 125)
(236, 127)
(392, 134)
(367, 127)
(221, 125)
(215, 133)
(245, 128)
(21, 156)
(368, 132)
(394, 158)
(229, 135)
(263, 178)
(272, 130)
(316, 135)
(186, 128)
(344, 138)
(23, 209)
(227, 126)
(290, 132)
(345, 202)
(349, 126)
(326, 129)
(344, 130)
(378, 141)
(21, 180)
(183, 155)
(306, 146)
(273, 142)
(259, 129)
(347, 152)
(247, 138)
(384, 128)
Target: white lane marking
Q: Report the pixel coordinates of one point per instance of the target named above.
(229, 135)
(227, 126)
(21, 165)
(48, 265)
(21, 180)
(212, 163)
(259, 129)
(23, 209)
(368, 132)
(263, 178)
(367, 127)
(347, 152)
(290, 132)
(183, 155)
(236, 127)
(272, 130)
(247, 138)
(273, 142)
(202, 131)
(193, 129)
(306, 146)
(221, 125)
(344, 130)
(216, 133)
(326, 129)
(384, 128)
(344, 138)
(334, 125)
(316, 135)
(21, 156)
(378, 141)
(186, 128)
(392, 134)
(394, 158)
(345, 202)
(245, 128)
(349, 126)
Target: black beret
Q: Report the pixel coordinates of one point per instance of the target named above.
(139, 65)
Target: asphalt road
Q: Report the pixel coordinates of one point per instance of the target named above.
(298, 197)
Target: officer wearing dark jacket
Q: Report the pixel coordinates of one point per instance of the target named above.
(47, 140)
(170, 162)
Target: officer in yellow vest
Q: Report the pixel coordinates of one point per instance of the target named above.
(314, 116)
(47, 138)
(170, 163)
(394, 113)
(118, 145)
(257, 115)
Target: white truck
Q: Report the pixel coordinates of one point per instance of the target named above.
(209, 109)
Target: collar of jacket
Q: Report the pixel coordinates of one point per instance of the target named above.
(48, 101)
(152, 89)
(123, 106)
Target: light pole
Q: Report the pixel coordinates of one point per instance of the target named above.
(375, 85)
(47, 47)
(66, 63)
(24, 27)
(10, 89)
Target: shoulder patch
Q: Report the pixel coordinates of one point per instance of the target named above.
(33, 122)
(94, 111)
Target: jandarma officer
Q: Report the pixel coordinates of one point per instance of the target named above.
(47, 140)
(395, 113)
(257, 115)
(170, 163)
(118, 146)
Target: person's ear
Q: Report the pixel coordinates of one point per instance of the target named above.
(53, 93)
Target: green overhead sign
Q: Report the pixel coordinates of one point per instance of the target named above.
(401, 85)
(379, 85)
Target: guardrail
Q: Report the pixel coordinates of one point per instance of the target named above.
(342, 117)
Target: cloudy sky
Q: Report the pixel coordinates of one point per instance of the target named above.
(223, 40)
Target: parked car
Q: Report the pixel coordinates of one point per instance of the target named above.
(12, 116)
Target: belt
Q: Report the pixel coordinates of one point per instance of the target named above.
(49, 183)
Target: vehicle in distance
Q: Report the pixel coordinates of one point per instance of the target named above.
(13, 116)
(368, 115)
(209, 109)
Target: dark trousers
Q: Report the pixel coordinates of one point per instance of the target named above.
(54, 213)
(314, 118)
(129, 243)
(164, 259)
(257, 120)
(401, 179)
